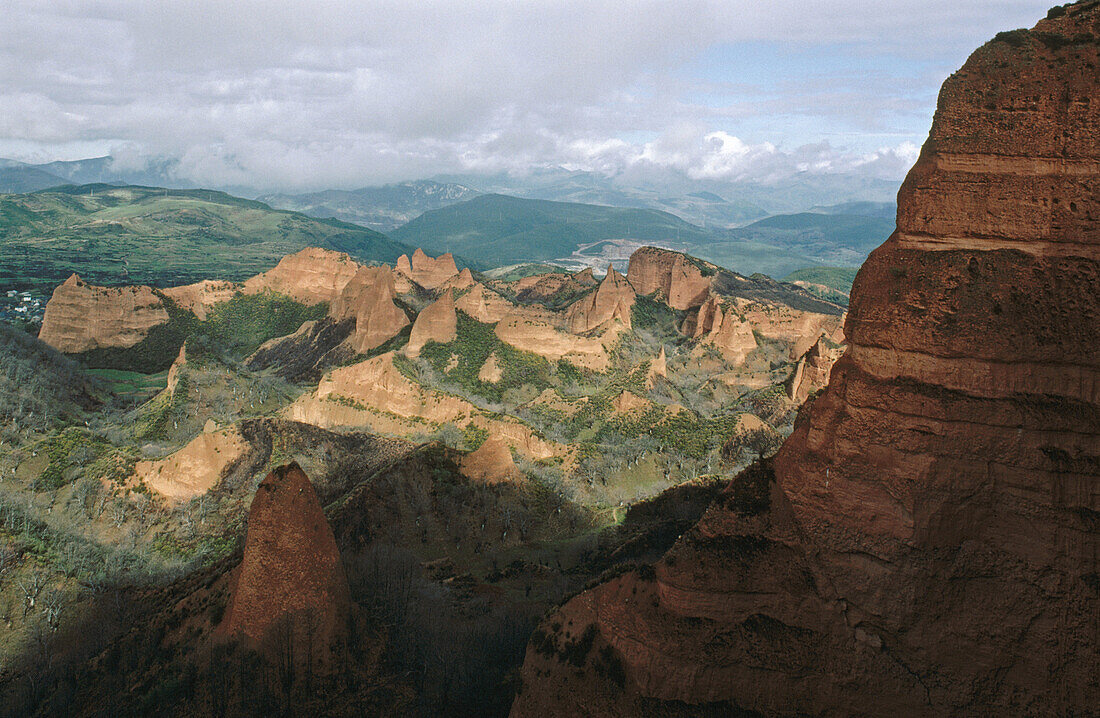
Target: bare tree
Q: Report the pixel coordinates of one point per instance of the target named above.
(52, 604)
(31, 587)
(118, 512)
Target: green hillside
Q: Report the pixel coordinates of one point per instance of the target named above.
(834, 239)
(497, 229)
(839, 278)
(142, 235)
(494, 230)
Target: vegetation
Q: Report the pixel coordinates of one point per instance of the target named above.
(234, 329)
(496, 230)
(838, 278)
(473, 344)
(239, 326)
(142, 235)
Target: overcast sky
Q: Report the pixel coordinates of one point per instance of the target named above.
(305, 95)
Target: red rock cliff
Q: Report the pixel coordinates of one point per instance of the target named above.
(80, 317)
(928, 540)
(291, 575)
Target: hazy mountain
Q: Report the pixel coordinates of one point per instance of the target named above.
(832, 239)
(493, 230)
(19, 177)
(888, 210)
(380, 208)
(133, 235)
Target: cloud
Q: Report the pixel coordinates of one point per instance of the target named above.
(300, 95)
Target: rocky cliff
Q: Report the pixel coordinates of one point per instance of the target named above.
(80, 317)
(436, 323)
(290, 593)
(368, 299)
(427, 272)
(611, 303)
(310, 276)
(928, 540)
(677, 277)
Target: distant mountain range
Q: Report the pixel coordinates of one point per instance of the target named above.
(381, 208)
(571, 218)
(139, 235)
(496, 230)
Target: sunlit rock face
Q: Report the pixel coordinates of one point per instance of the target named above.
(80, 317)
(927, 541)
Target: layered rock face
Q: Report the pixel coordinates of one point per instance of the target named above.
(929, 540)
(310, 276)
(674, 275)
(610, 303)
(199, 297)
(368, 299)
(484, 305)
(80, 317)
(290, 593)
(436, 323)
(425, 271)
(811, 373)
(719, 326)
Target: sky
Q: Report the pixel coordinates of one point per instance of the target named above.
(315, 94)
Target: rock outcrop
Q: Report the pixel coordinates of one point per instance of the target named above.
(535, 332)
(425, 271)
(437, 322)
(723, 328)
(80, 317)
(290, 593)
(678, 278)
(927, 542)
(491, 371)
(811, 373)
(658, 369)
(199, 297)
(484, 305)
(310, 276)
(603, 309)
(194, 469)
(491, 463)
(368, 298)
(375, 394)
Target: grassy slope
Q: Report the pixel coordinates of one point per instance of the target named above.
(839, 278)
(496, 229)
(127, 235)
(837, 239)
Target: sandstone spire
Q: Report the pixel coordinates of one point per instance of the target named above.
(368, 297)
(437, 322)
(612, 301)
(291, 579)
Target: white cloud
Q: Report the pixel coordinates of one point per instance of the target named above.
(279, 94)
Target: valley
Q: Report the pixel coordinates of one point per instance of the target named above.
(503, 439)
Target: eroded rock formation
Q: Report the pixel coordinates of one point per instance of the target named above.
(80, 317)
(290, 593)
(436, 323)
(310, 276)
(491, 463)
(427, 272)
(368, 299)
(811, 373)
(603, 309)
(928, 540)
(723, 328)
(678, 278)
(194, 469)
